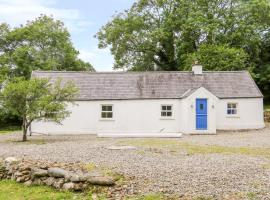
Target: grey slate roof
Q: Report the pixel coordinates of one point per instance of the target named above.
(155, 85)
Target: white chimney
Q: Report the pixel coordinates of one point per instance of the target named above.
(197, 68)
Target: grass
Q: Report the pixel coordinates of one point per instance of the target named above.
(267, 106)
(10, 129)
(10, 190)
(119, 178)
(148, 197)
(190, 148)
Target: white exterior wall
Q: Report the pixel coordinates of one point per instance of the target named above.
(189, 105)
(249, 114)
(140, 117)
(143, 117)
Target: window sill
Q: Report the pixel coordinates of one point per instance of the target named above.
(164, 118)
(232, 116)
(106, 119)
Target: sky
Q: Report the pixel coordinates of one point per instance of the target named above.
(83, 18)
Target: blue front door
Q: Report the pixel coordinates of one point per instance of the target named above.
(201, 114)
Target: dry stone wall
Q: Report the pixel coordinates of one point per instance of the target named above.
(68, 177)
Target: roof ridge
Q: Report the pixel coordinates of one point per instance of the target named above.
(133, 72)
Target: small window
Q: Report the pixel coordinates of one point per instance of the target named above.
(166, 110)
(201, 106)
(232, 108)
(106, 111)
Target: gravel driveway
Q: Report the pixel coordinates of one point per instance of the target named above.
(155, 166)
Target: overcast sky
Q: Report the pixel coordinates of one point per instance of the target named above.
(83, 19)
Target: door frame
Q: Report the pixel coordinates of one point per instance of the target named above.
(206, 114)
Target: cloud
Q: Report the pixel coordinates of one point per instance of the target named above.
(16, 12)
(101, 59)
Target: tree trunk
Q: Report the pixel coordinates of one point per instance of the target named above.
(24, 127)
(24, 133)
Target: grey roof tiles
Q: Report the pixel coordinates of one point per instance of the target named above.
(155, 85)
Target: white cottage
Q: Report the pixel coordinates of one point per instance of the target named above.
(158, 104)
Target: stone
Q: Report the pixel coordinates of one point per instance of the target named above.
(69, 186)
(11, 160)
(20, 179)
(39, 173)
(17, 174)
(78, 177)
(78, 187)
(103, 181)
(57, 172)
(28, 183)
(25, 172)
(37, 182)
(49, 181)
(121, 148)
(58, 183)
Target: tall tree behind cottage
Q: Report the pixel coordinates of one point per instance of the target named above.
(171, 34)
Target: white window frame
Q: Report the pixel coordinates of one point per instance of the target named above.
(231, 109)
(101, 111)
(161, 110)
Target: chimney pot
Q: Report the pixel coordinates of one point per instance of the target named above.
(197, 68)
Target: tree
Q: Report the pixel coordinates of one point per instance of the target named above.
(37, 99)
(42, 44)
(217, 57)
(162, 33)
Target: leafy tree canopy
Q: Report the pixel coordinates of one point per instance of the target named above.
(42, 44)
(37, 99)
(167, 34)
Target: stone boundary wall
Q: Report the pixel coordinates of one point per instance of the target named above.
(67, 177)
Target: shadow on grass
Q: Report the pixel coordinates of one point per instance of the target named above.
(28, 142)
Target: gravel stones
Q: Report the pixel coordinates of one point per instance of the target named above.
(154, 170)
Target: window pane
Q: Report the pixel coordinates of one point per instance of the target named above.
(229, 111)
(163, 114)
(169, 114)
(234, 105)
(169, 107)
(164, 108)
(104, 108)
(201, 106)
(229, 105)
(103, 115)
(109, 108)
(109, 115)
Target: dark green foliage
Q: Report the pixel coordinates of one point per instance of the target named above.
(171, 34)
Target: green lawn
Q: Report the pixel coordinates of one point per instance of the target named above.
(10, 129)
(10, 190)
(266, 106)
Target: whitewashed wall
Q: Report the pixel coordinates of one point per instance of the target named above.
(250, 114)
(189, 107)
(140, 117)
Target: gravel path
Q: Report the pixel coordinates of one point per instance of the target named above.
(158, 170)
